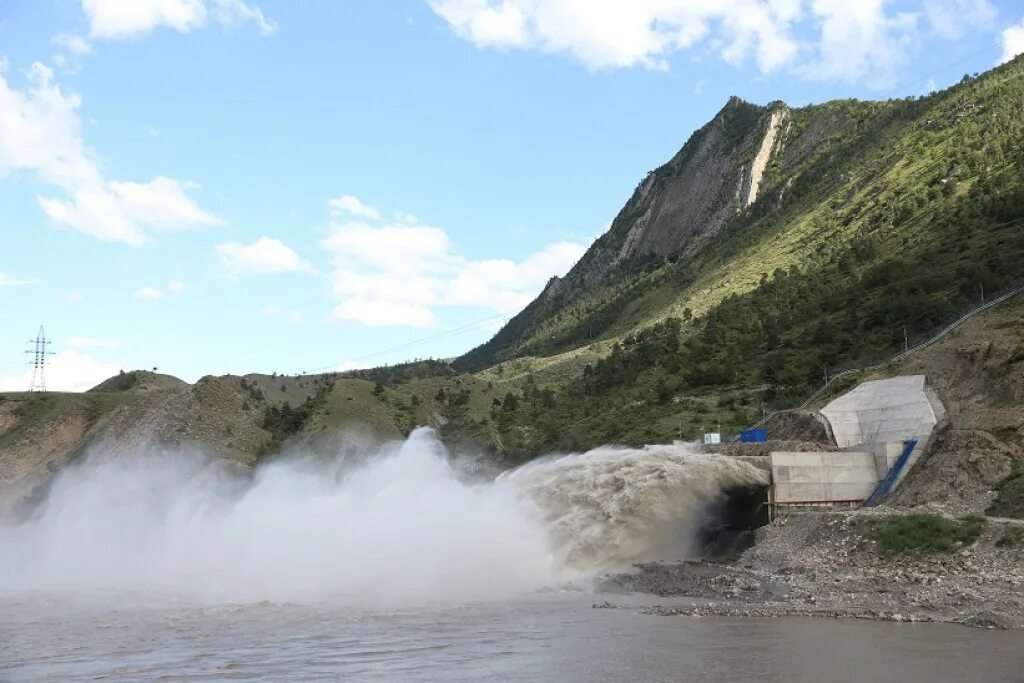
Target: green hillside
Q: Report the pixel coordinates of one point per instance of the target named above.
(847, 184)
(875, 222)
(778, 245)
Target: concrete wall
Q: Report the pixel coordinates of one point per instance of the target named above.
(885, 454)
(882, 411)
(805, 477)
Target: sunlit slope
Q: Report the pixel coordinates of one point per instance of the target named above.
(874, 223)
(717, 293)
(850, 187)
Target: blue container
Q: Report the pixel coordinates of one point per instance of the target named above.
(756, 435)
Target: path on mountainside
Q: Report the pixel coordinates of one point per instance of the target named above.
(895, 357)
(1005, 520)
(919, 347)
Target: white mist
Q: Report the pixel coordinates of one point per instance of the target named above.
(401, 527)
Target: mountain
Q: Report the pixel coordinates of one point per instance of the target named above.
(847, 189)
(779, 245)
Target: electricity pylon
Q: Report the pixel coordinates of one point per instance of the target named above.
(38, 362)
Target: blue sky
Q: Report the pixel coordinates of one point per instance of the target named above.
(214, 186)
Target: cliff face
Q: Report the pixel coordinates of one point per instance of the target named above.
(717, 175)
(763, 190)
(713, 177)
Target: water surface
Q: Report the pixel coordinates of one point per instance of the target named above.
(552, 638)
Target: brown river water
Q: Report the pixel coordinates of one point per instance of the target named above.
(394, 562)
(553, 637)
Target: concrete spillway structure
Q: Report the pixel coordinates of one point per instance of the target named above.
(872, 423)
(884, 411)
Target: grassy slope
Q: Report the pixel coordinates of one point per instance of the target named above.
(895, 220)
(872, 164)
(873, 194)
(33, 410)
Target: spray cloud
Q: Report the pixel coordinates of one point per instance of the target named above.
(403, 525)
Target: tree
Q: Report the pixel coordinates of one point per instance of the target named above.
(510, 403)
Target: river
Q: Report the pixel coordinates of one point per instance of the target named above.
(553, 637)
(394, 562)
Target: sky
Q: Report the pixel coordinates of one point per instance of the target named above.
(232, 186)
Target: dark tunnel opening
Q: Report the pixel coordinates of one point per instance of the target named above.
(730, 525)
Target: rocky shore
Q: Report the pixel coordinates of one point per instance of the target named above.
(829, 565)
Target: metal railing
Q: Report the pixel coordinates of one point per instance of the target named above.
(929, 341)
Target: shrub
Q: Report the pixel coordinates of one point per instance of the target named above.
(1009, 500)
(927, 533)
(1012, 537)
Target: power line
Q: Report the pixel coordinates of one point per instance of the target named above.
(423, 340)
(39, 353)
(925, 248)
(850, 295)
(943, 68)
(476, 324)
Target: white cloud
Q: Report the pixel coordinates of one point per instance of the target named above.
(401, 273)
(507, 286)
(154, 293)
(265, 256)
(40, 132)
(951, 19)
(149, 293)
(81, 342)
(75, 44)
(292, 315)
(1013, 42)
(68, 370)
(8, 281)
(346, 204)
(229, 12)
(127, 18)
(820, 39)
(122, 211)
(91, 343)
(859, 41)
(623, 34)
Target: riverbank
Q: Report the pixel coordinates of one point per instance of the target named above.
(830, 564)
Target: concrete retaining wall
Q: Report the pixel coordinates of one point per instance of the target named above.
(818, 477)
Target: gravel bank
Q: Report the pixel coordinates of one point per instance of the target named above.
(826, 565)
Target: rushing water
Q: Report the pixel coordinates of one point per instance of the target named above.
(550, 638)
(390, 525)
(392, 562)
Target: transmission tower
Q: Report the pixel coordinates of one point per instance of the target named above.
(38, 361)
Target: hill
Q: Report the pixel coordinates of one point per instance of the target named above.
(851, 192)
(779, 245)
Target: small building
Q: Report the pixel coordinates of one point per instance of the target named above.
(754, 435)
(712, 437)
